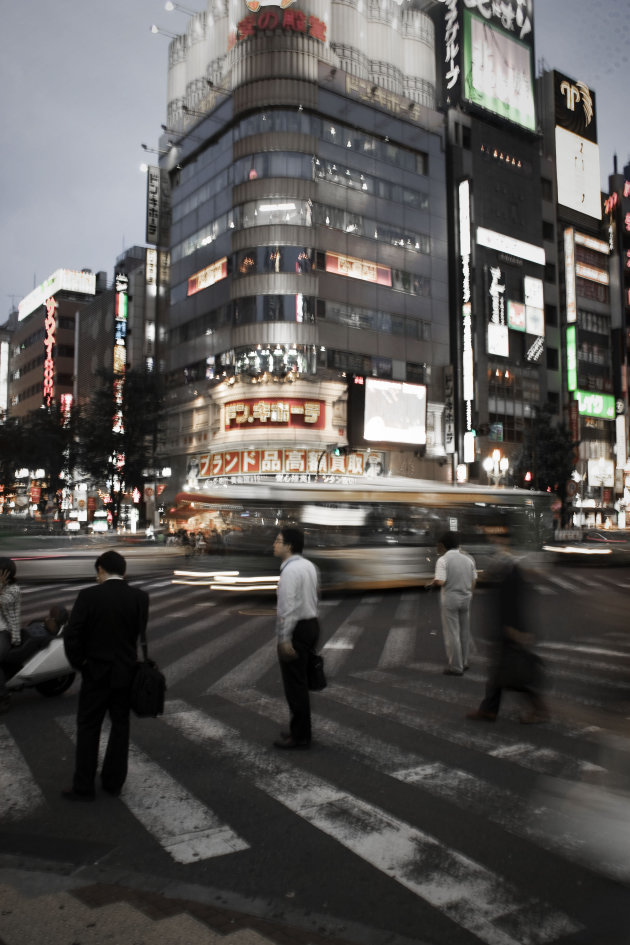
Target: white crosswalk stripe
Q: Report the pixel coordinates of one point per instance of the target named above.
(184, 827)
(474, 897)
(19, 794)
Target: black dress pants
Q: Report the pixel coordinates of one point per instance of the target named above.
(104, 690)
(295, 679)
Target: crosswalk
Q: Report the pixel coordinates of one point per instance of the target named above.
(394, 763)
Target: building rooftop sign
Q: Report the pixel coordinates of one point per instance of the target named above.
(63, 280)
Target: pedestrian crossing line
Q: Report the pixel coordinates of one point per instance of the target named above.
(184, 827)
(401, 640)
(344, 639)
(248, 672)
(480, 797)
(461, 696)
(468, 736)
(179, 634)
(472, 896)
(19, 794)
(574, 647)
(203, 655)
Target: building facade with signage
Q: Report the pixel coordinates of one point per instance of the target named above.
(43, 344)
(302, 188)
(487, 90)
(581, 356)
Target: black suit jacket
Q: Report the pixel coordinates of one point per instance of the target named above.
(105, 624)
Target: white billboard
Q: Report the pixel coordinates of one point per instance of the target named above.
(577, 169)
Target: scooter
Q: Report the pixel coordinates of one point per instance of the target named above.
(47, 670)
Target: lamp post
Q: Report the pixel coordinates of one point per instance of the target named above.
(496, 466)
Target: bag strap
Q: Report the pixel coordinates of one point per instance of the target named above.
(143, 643)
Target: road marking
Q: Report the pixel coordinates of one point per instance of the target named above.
(344, 639)
(249, 671)
(184, 827)
(468, 735)
(400, 644)
(19, 795)
(205, 654)
(468, 893)
(481, 797)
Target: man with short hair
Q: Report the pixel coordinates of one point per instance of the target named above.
(100, 641)
(456, 574)
(297, 630)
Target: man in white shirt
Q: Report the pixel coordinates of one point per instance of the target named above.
(297, 630)
(456, 574)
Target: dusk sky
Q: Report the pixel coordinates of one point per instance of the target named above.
(84, 84)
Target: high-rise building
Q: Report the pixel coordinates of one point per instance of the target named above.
(303, 172)
(487, 91)
(42, 361)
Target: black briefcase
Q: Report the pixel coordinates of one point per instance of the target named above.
(316, 676)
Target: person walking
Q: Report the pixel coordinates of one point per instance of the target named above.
(456, 574)
(100, 641)
(10, 618)
(297, 632)
(513, 663)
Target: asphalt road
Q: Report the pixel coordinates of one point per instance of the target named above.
(405, 822)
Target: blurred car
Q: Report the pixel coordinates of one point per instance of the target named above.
(596, 546)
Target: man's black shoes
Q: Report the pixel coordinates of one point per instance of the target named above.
(69, 794)
(291, 744)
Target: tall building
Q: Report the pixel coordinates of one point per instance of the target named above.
(497, 251)
(42, 360)
(116, 331)
(582, 380)
(303, 172)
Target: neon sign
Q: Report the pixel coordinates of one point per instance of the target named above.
(50, 323)
(270, 19)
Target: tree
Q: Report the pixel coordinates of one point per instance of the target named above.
(13, 451)
(548, 453)
(50, 435)
(119, 433)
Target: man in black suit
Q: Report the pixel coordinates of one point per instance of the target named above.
(101, 643)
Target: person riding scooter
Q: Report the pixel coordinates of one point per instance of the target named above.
(38, 634)
(51, 676)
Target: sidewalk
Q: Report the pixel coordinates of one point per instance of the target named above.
(61, 905)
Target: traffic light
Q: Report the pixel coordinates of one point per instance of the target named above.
(340, 451)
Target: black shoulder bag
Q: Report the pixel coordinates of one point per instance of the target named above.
(149, 685)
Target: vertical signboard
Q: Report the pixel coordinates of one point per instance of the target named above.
(577, 151)
(158, 207)
(468, 361)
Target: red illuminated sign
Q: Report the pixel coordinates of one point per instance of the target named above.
(355, 268)
(268, 20)
(289, 412)
(50, 323)
(293, 462)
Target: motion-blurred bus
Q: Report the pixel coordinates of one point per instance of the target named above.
(369, 535)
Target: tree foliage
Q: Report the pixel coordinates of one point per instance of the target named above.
(548, 453)
(118, 441)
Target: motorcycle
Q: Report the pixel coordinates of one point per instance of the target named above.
(46, 670)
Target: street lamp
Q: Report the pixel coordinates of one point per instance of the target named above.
(496, 466)
(158, 29)
(170, 6)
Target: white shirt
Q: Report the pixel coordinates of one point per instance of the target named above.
(457, 570)
(298, 592)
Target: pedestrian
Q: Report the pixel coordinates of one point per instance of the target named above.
(513, 663)
(10, 618)
(101, 643)
(297, 631)
(456, 575)
(37, 635)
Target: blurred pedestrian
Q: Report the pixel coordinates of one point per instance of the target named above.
(513, 663)
(101, 643)
(297, 631)
(456, 575)
(10, 618)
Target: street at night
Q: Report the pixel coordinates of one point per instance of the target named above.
(406, 822)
